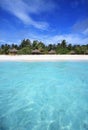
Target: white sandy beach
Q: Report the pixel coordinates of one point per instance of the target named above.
(42, 57)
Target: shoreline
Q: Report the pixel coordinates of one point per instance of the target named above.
(43, 57)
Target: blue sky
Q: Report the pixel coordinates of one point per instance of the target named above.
(49, 21)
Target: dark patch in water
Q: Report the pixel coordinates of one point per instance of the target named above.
(3, 124)
(85, 125)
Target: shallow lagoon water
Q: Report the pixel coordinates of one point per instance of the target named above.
(44, 95)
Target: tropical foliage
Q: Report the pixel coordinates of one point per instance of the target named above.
(26, 47)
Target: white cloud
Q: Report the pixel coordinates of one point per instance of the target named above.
(23, 10)
(10, 42)
(70, 38)
(2, 41)
(80, 26)
(47, 39)
(85, 32)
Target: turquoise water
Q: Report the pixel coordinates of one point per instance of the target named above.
(44, 95)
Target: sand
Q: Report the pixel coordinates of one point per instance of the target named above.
(42, 57)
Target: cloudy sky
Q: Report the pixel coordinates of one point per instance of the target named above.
(49, 21)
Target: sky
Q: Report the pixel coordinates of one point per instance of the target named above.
(49, 21)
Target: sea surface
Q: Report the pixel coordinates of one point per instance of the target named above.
(44, 95)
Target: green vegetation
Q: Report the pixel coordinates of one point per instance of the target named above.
(26, 47)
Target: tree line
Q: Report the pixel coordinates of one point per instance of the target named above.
(26, 47)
